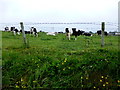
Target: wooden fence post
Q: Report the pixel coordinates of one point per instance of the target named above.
(102, 36)
(24, 36)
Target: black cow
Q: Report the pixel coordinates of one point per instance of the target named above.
(99, 32)
(87, 34)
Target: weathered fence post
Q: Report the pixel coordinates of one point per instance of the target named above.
(24, 36)
(102, 36)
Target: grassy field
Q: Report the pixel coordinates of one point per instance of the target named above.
(55, 62)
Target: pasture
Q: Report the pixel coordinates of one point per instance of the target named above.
(55, 62)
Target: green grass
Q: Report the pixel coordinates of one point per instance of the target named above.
(55, 62)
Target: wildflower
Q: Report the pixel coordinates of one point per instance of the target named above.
(100, 80)
(63, 69)
(118, 85)
(64, 60)
(106, 82)
(82, 85)
(102, 76)
(17, 86)
(106, 77)
(23, 86)
(86, 77)
(118, 81)
(62, 63)
(81, 77)
(68, 67)
(21, 79)
(94, 87)
(103, 85)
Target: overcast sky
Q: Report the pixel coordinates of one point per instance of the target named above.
(58, 10)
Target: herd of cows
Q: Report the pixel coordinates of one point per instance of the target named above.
(69, 32)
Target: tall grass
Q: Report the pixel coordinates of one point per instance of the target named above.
(55, 62)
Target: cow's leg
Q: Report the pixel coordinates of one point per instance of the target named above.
(75, 37)
(68, 36)
(14, 32)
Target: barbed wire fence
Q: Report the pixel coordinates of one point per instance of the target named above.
(56, 27)
(60, 27)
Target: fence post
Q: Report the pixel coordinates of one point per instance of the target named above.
(24, 36)
(102, 36)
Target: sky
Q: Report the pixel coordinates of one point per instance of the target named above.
(58, 11)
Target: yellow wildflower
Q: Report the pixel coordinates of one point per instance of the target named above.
(68, 67)
(81, 77)
(106, 82)
(64, 60)
(103, 85)
(62, 63)
(21, 79)
(102, 76)
(118, 81)
(17, 86)
(63, 69)
(86, 77)
(100, 80)
(94, 87)
(106, 77)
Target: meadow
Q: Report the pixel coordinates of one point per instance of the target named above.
(55, 62)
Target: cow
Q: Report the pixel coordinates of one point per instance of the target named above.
(6, 28)
(26, 32)
(87, 34)
(16, 31)
(12, 29)
(99, 32)
(67, 33)
(33, 31)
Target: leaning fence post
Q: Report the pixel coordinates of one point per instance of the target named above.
(24, 36)
(102, 36)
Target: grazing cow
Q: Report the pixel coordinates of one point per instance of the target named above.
(67, 33)
(16, 31)
(51, 33)
(87, 34)
(33, 31)
(6, 28)
(99, 32)
(12, 29)
(78, 33)
(26, 32)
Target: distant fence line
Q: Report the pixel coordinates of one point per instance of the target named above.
(91, 26)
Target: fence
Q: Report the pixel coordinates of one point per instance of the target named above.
(58, 27)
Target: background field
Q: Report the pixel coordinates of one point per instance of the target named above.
(55, 62)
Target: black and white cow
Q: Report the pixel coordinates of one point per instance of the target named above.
(33, 31)
(6, 28)
(16, 31)
(87, 34)
(26, 32)
(67, 31)
(12, 29)
(99, 32)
